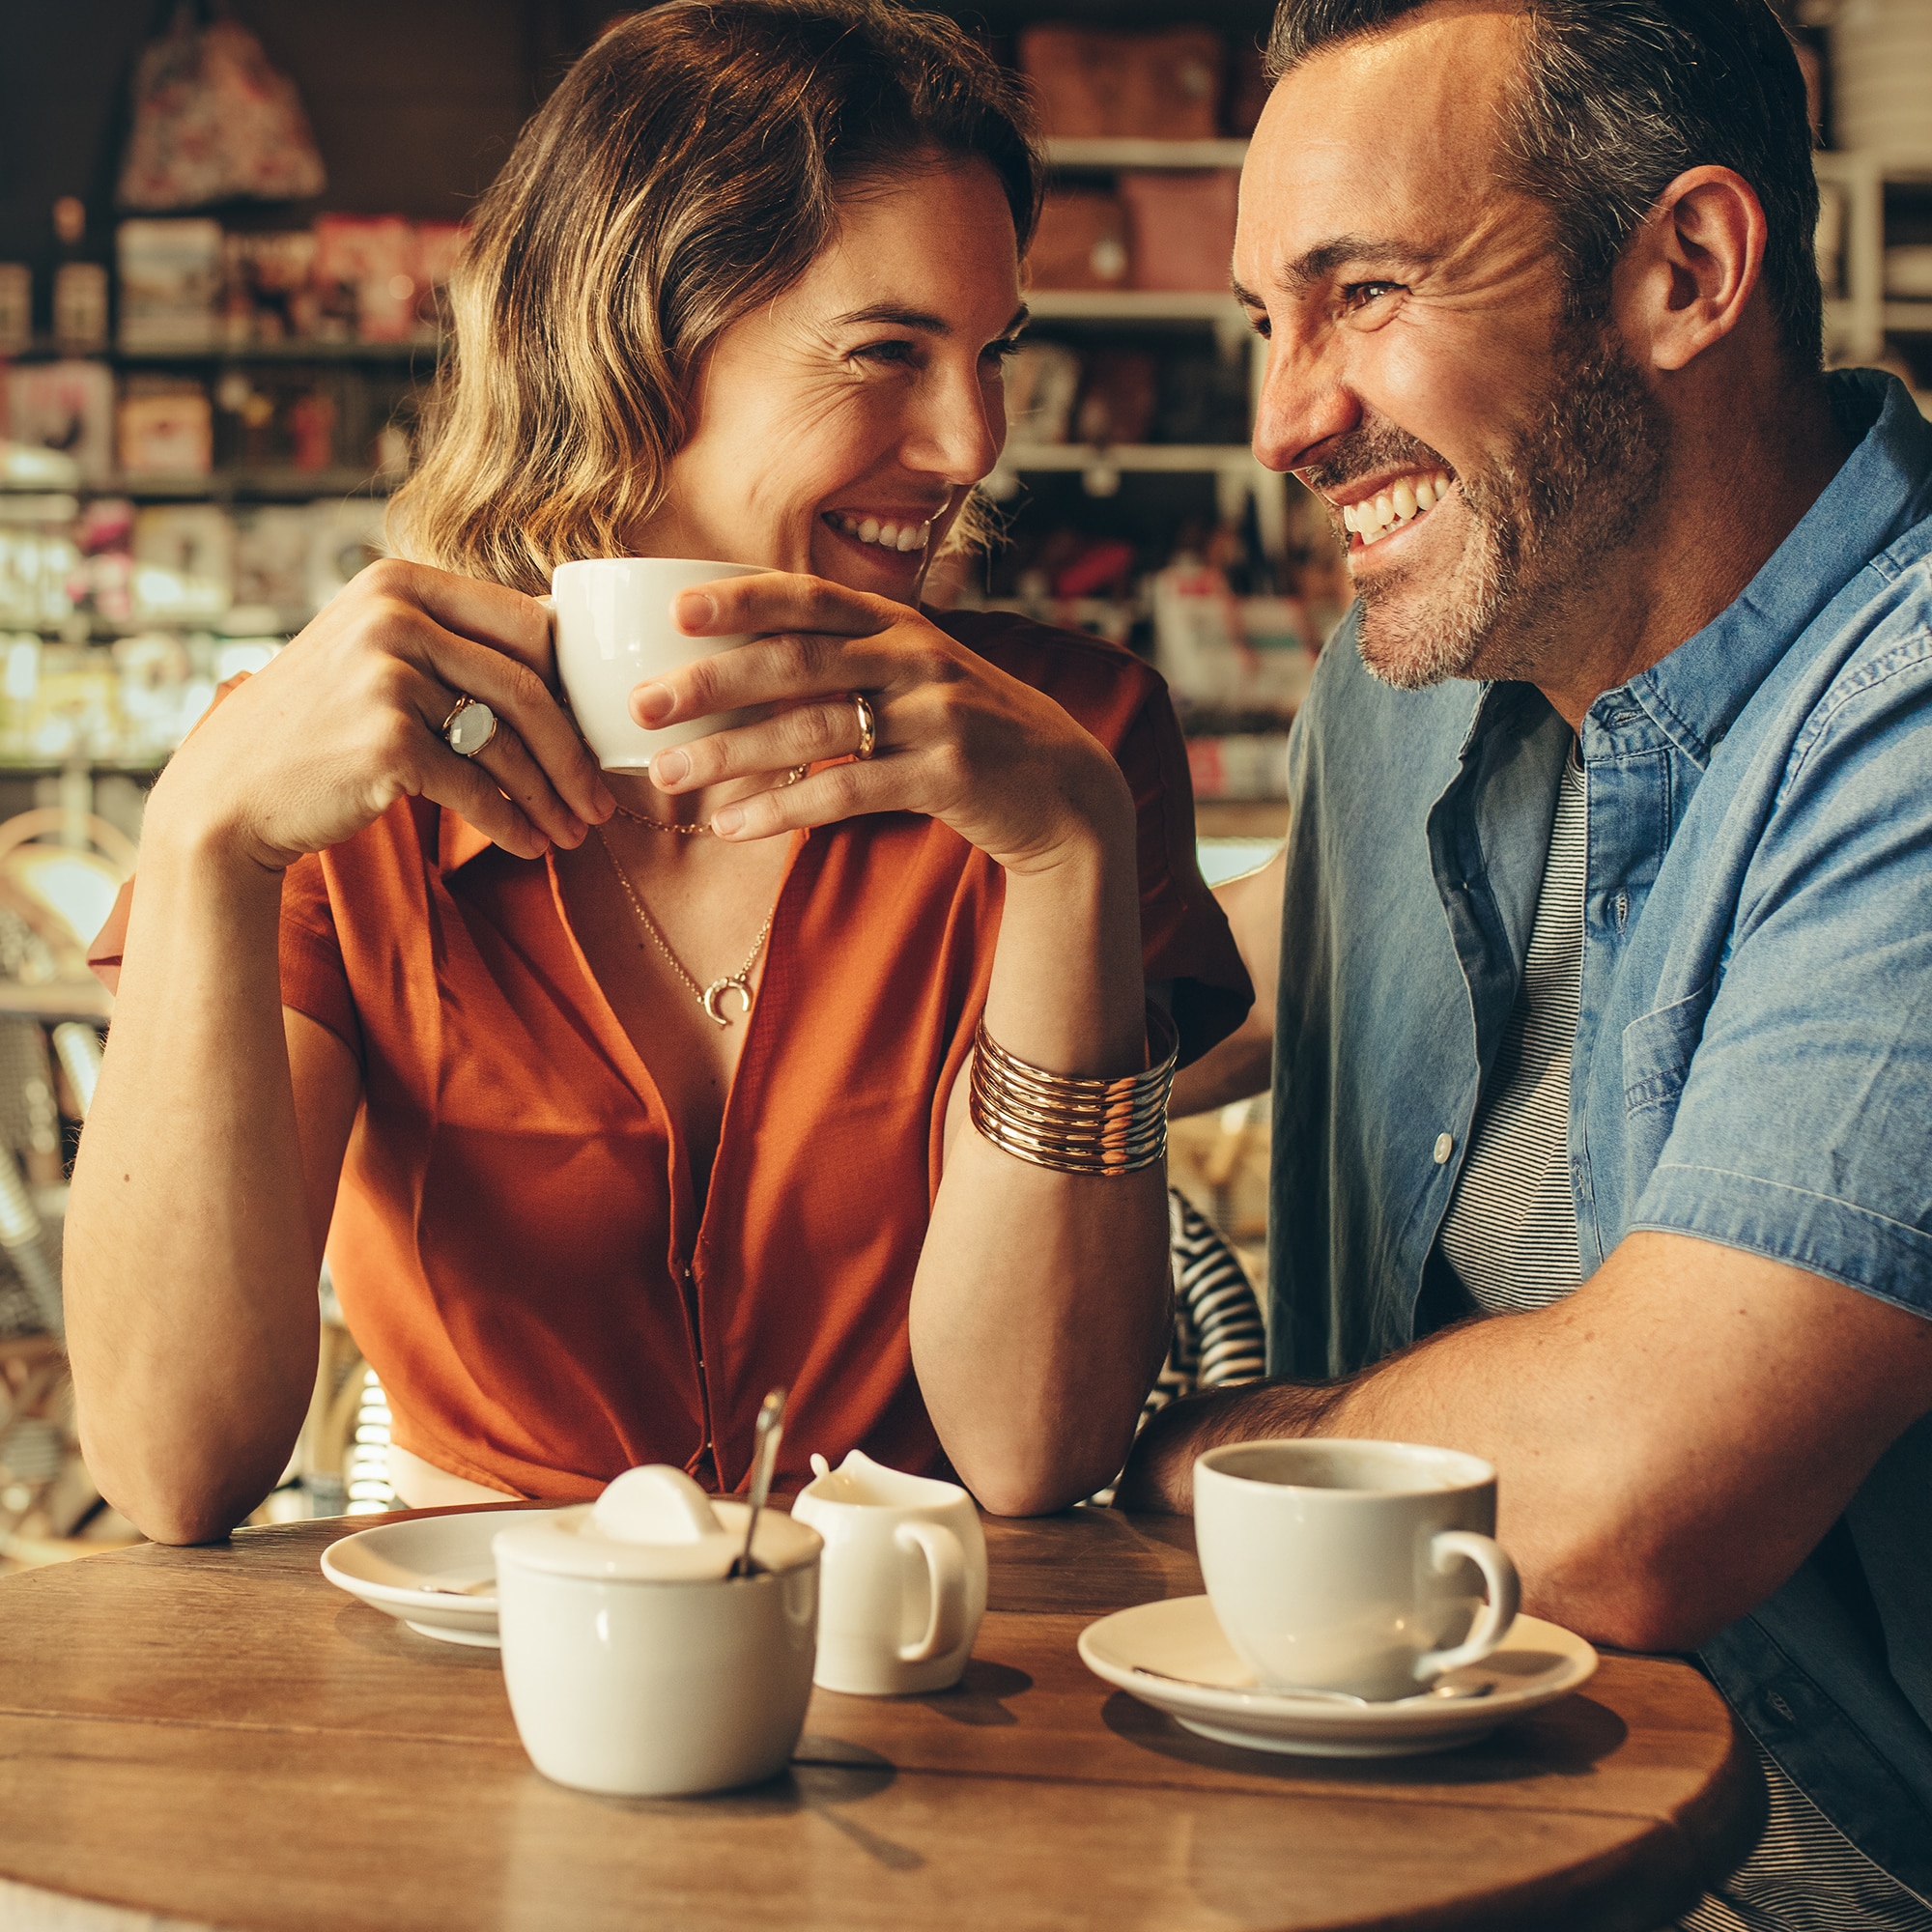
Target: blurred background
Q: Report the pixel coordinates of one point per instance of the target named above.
(225, 235)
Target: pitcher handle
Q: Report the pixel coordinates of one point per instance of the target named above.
(946, 1578)
(1447, 1548)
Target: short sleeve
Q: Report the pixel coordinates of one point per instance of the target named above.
(314, 979)
(1185, 941)
(1800, 1132)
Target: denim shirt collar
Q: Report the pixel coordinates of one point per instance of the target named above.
(1883, 488)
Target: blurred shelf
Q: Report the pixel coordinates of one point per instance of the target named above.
(1138, 153)
(36, 767)
(1135, 305)
(1161, 458)
(1242, 818)
(1908, 317)
(390, 353)
(263, 486)
(69, 1000)
(1843, 164)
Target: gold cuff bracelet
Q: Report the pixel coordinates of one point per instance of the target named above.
(1074, 1126)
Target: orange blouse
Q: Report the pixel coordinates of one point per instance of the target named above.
(516, 1246)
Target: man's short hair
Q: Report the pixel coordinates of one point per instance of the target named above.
(1618, 98)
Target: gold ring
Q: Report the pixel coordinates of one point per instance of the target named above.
(868, 727)
(470, 727)
(796, 773)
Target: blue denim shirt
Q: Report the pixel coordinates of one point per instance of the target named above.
(1753, 1056)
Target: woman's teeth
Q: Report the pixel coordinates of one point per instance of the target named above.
(1374, 519)
(887, 536)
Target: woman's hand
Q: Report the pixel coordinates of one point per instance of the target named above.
(956, 738)
(350, 717)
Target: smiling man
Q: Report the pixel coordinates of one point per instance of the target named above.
(1601, 1043)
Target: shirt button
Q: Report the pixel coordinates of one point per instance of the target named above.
(1446, 1146)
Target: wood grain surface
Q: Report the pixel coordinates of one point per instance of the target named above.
(218, 1737)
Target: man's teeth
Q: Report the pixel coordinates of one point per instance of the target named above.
(1407, 499)
(888, 536)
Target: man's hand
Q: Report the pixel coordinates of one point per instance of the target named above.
(1672, 1440)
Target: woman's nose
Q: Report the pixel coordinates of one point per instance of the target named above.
(959, 430)
(1304, 403)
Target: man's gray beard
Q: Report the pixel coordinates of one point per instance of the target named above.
(1575, 485)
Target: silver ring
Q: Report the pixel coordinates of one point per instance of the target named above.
(868, 727)
(470, 727)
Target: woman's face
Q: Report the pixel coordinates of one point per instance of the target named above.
(837, 430)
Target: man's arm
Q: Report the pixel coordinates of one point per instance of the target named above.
(1672, 1439)
(1241, 1065)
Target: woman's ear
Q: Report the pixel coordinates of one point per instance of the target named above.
(1689, 274)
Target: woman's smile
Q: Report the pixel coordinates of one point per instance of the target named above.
(840, 428)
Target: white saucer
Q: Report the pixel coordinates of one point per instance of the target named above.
(436, 1573)
(1143, 1650)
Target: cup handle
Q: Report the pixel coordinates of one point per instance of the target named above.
(1448, 1547)
(946, 1575)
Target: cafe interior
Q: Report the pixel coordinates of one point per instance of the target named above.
(227, 237)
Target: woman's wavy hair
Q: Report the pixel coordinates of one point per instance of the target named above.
(683, 173)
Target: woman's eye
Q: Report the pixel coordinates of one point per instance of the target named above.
(884, 352)
(1003, 350)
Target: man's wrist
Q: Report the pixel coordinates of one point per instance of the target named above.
(1159, 1475)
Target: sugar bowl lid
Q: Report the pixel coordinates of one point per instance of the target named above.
(653, 1525)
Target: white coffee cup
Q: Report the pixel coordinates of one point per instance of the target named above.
(904, 1578)
(634, 1665)
(614, 631)
(1336, 1565)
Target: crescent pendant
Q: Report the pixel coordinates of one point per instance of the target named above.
(714, 996)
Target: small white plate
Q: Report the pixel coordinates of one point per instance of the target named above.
(1145, 1650)
(434, 1573)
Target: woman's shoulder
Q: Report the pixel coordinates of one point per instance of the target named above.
(1102, 684)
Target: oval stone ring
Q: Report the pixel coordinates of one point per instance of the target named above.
(469, 726)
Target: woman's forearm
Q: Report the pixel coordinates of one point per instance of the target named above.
(190, 1263)
(1040, 1307)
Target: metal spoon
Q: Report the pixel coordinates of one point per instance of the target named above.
(1442, 1688)
(770, 1427)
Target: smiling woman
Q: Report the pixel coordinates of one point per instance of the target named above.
(820, 1056)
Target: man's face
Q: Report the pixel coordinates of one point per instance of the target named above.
(1481, 450)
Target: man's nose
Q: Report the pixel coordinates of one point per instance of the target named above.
(1304, 404)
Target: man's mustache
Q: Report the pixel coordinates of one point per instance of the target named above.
(1375, 448)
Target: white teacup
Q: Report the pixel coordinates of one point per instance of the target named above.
(1337, 1565)
(904, 1580)
(613, 632)
(634, 1665)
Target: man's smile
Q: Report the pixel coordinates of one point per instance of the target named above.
(1376, 507)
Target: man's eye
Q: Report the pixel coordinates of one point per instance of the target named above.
(1003, 351)
(1359, 294)
(1262, 325)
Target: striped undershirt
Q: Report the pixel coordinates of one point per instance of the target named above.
(1511, 1238)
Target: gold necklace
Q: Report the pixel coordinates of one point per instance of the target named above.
(710, 997)
(700, 830)
(697, 831)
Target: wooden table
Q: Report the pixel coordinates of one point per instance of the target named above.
(219, 1736)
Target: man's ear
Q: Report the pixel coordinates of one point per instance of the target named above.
(1689, 274)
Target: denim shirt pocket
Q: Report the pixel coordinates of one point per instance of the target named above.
(1658, 1047)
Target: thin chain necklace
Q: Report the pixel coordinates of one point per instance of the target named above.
(698, 831)
(703, 827)
(711, 998)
